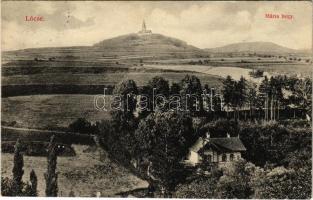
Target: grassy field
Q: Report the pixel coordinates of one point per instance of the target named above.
(287, 69)
(83, 174)
(103, 79)
(9, 134)
(222, 72)
(236, 70)
(49, 111)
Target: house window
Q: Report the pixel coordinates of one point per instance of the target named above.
(224, 158)
(231, 157)
(207, 158)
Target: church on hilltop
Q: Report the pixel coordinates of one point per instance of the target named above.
(144, 30)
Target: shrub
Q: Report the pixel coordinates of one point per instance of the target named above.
(283, 183)
(81, 125)
(36, 148)
(12, 134)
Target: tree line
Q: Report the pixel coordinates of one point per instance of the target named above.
(268, 99)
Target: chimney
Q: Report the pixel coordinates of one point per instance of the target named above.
(228, 136)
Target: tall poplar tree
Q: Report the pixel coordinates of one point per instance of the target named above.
(51, 175)
(18, 169)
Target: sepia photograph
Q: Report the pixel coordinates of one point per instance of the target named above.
(156, 99)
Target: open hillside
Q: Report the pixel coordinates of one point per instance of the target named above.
(128, 46)
(151, 44)
(84, 174)
(257, 47)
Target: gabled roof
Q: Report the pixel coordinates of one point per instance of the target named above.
(231, 143)
(227, 144)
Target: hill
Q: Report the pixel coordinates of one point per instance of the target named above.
(129, 46)
(150, 44)
(258, 47)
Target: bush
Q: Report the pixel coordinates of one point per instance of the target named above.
(81, 125)
(36, 148)
(272, 143)
(283, 183)
(201, 187)
(8, 188)
(12, 134)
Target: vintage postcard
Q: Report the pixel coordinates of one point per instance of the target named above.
(161, 99)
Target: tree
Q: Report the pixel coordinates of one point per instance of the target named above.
(159, 93)
(276, 95)
(264, 90)
(51, 175)
(163, 139)
(160, 85)
(81, 125)
(240, 94)
(252, 99)
(191, 91)
(18, 169)
(229, 92)
(33, 181)
(303, 93)
(123, 122)
(175, 88)
(124, 119)
(126, 103)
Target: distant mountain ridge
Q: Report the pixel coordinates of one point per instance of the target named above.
(134, 45)
(146, 45)
(257, 47)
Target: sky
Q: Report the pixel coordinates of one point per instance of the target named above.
(202, 24)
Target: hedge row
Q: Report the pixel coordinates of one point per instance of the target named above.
(37, 148)
(20, 90)
(27, 135)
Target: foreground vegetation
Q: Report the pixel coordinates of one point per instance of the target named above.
(82, 175)
(155, 142)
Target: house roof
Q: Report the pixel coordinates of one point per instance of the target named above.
(227, 143)
(231, 143)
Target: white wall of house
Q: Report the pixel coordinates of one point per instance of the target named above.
(193, 157)
(218, 157)
(236, 156)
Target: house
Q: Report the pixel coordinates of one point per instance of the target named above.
(220, 151)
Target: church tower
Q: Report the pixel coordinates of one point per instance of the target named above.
(144, 30)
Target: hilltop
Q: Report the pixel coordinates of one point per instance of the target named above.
(150, 44)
